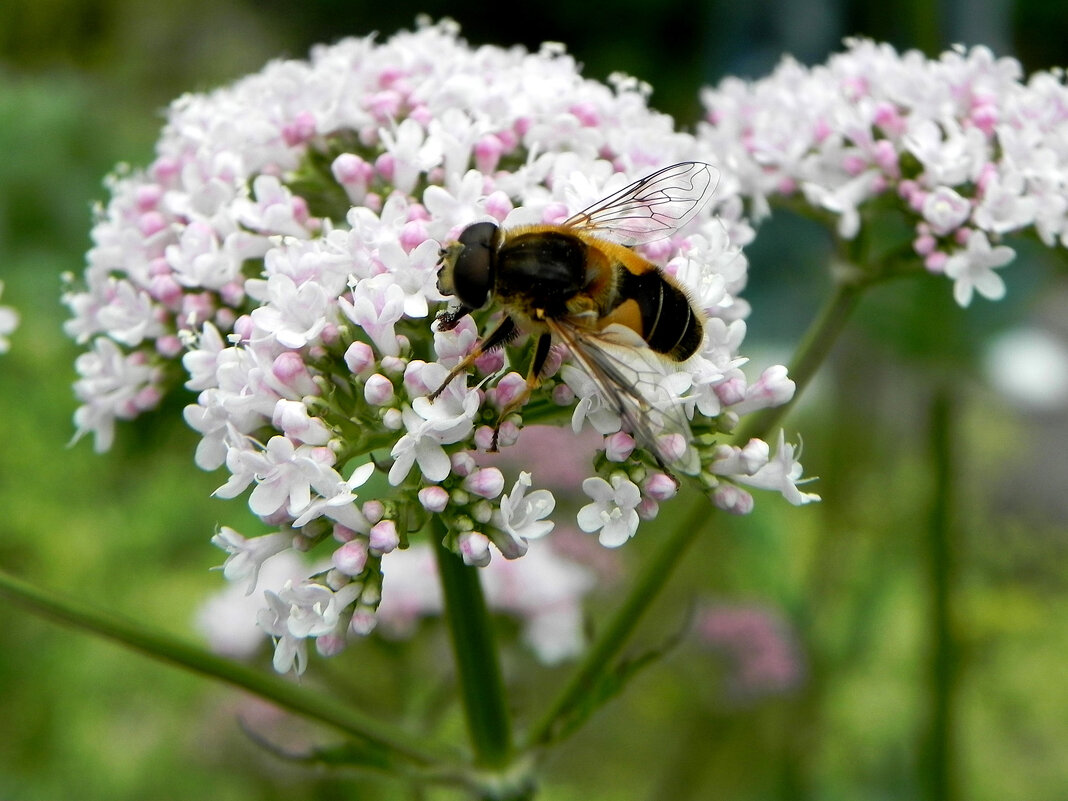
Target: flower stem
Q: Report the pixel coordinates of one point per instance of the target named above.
(166, 648)
(474, 647)
(810, 354)
(599, 660)
(939, 763)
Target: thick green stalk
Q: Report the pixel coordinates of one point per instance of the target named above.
(810, 354)
(599, 660)
(939, 763)
(478, 669)
(164, 647)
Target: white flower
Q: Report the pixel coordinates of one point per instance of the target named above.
(945, 210)
(246, 556)
(781, 473)
(613, 512)
(295, 316)
(972, 269)
(522, 516)
(9, 321)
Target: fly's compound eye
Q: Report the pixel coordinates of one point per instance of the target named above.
(472, 274)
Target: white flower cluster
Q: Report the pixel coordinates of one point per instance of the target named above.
(961, 144)
(9, 321)
(283, 250)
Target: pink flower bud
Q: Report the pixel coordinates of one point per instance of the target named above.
(484, 438)
(378, 391)
(498, 205)
(359, 357)
(672, 446)
(732, 499)
(507, 434)
(384, 537)
(463, 463)
(373, 511)
(351, 558)
(434, 499)
(618, 446)
(563, 395)
(648, 509)
(508, 389)
(291, 371)
(491, 361)
(488, 151)
(486, 483)
(660, 487)
(474, 548)
(363, 621)
(329, 644)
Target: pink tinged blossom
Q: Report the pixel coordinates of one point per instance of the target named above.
(430, 425)
(111, 385)
(782, 473)
(302, 129)
(293, 420)
(130, 315)
(945, 210)
(292, 375)
(613, 512)
(354, 174)
(290, 652)
(200, 260)
(591, 405)
(246, 556)
(275, 210)
(284, 474)
(377, 305)
(336, 498)
(293, 315)
(972, 269)
(773, 388)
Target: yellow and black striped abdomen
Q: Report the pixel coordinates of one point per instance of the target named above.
(659, 311)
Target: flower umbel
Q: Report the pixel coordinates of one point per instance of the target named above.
(962, 145)
(281, 254)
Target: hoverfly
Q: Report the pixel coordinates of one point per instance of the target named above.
(577, 283)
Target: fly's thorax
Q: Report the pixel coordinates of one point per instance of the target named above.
(539, 269)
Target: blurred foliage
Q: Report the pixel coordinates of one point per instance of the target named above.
(81, 86)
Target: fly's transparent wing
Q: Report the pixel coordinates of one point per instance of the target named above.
(639, 386)
(651, 208)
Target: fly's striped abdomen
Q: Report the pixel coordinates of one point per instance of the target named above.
(669, 324)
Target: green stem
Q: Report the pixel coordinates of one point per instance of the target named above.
(164, 647)
(600, 658)
(810, 354)
(939, 754)
(471, 631)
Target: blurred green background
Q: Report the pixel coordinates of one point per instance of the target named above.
(932, 654)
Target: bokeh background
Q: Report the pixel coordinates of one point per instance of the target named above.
(865, 649)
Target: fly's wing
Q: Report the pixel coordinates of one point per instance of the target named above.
(651, 208)
(635, 383)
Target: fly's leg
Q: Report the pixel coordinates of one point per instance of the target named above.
(537, 364)
(504, 331)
